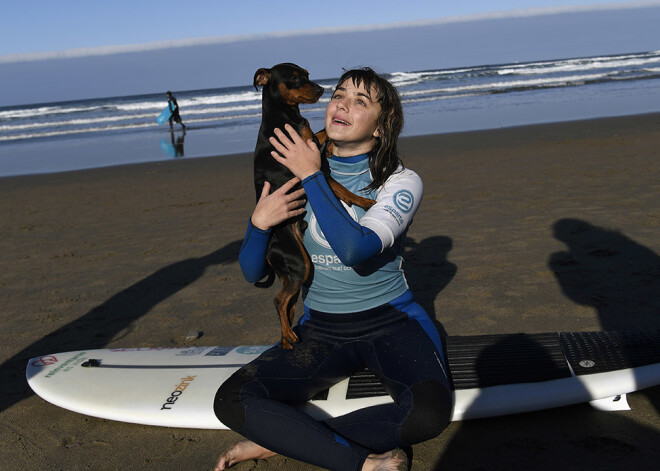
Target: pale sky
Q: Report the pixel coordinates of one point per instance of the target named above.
(46, 25)
(79, 49)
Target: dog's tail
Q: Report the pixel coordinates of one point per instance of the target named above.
(268, 282)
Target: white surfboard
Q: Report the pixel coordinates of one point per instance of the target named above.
(490, 375)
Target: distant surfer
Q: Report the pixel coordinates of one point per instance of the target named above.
(174, 106)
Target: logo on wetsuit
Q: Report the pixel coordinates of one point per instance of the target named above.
(404, 200)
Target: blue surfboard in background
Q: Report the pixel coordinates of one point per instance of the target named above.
(165, 114)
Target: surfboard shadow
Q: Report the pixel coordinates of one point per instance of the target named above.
(101, 324)
(429, 271)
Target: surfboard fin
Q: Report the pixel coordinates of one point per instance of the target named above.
(618, 402)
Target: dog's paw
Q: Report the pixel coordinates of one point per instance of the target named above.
(367, 203)
(288, 340)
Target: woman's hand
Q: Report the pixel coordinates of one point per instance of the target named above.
(302, 158)
(274, 208)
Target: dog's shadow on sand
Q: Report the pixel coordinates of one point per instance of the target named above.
(104, 322)
(429, 271)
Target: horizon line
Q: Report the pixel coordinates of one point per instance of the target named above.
(206, 41)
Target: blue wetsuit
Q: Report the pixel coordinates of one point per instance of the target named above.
(359, 313)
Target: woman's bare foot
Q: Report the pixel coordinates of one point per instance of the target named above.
(395, 460)
(242, 451)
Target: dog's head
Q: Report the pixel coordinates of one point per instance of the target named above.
(288, 81)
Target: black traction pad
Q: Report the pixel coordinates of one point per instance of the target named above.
(480, 361)
(598, 352)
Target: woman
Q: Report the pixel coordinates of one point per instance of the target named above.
(358, 309)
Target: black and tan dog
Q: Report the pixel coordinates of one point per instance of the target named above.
(285, 87)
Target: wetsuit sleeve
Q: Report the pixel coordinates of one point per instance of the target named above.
(252, 256)
(396, 204)
(351, 242)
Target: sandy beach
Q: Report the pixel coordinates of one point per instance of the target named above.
(531, 229)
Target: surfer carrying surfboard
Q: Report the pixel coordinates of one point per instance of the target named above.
(359, 311)
(174, 107)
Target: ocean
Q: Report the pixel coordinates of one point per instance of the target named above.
(55, 137)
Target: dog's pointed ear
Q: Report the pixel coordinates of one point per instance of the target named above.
(261, 77)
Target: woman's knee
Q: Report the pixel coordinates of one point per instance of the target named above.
(228, 405)
(430, 414)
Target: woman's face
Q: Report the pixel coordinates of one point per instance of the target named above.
(351, 119)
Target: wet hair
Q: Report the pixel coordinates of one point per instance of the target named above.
(384, 158)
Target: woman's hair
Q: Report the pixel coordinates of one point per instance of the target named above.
(384, 157)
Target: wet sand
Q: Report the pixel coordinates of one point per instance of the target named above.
(533, 229)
